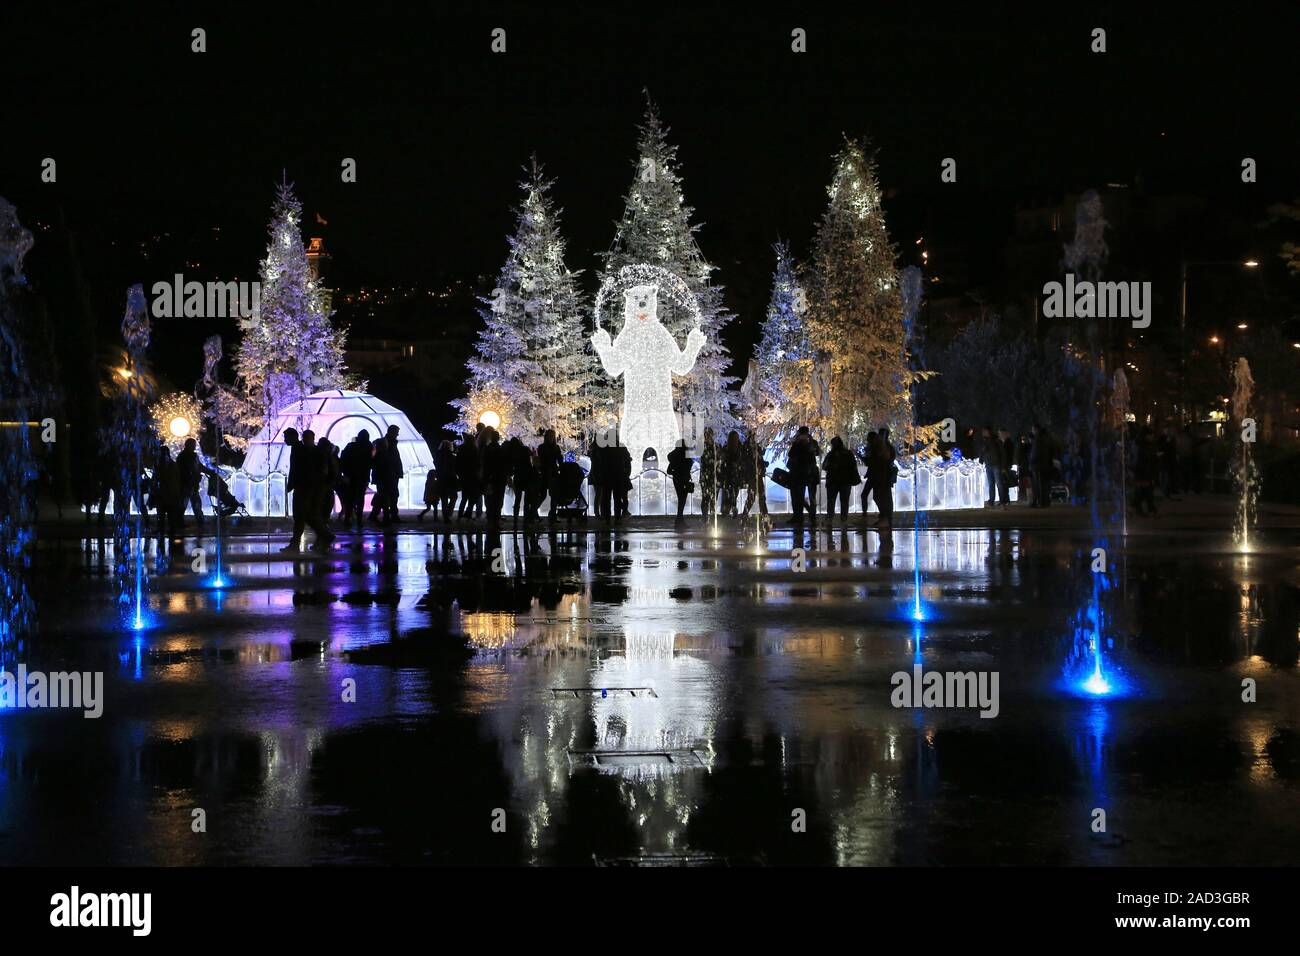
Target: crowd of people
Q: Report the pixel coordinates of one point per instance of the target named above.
(471, 477)
(1169, 461)
(1027, 463)
(165, 486)
(320, 474)
(803, 475)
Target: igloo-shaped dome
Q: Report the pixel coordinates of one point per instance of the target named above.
(336, 414)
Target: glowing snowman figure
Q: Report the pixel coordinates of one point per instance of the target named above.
(646, 355)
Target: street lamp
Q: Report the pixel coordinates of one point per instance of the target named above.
(1182, 306)
(1182, 317)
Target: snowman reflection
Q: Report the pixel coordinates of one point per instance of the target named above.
(646, 355)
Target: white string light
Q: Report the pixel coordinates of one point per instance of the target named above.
(647, 356)
(641, 274)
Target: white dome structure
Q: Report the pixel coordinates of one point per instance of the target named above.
(336, 414)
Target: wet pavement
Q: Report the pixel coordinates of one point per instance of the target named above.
(663, 697)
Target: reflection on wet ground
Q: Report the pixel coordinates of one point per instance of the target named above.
(660, 697)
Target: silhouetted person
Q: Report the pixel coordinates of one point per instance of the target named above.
(329, 456)
(309, 472)
(755, 475)
(292, 483)
(620, 477)
(467, 471)
(734, 467)
(444, 462)
(549, 458)
(710, 466)
(190, 470)
(520, 463)
(496, 473)
(598, 477)
(430, 496)
(165, 494)
(354, 466)
(801, 463)
(679, 470)
(841, 470)
(991, 455)
(386, 472)
(880, 479)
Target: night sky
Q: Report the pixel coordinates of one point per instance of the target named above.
(150, 137)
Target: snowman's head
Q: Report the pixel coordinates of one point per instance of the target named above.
(641, 303)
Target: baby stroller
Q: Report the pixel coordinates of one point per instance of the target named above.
(567, 500)
(222, 500)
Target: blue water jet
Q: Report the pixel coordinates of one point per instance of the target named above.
(17, 464)
(127, 439)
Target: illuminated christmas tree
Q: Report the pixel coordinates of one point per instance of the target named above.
(783, 399)
(289, 349)
(855, 315)
(531, 365)
(656, 230)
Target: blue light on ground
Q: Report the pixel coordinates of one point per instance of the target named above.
(917, 610)
(1089, 673)
(1113, 684)
(140, 620)
(1097, 685)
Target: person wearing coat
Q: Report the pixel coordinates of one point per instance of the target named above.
(387, 472)
(841, 476)
(467, 474)
(879, 458)
(191, 472)
(710, 468)
(598, 478)
(755, 473)
(354, 466)
(332, 468)
(444, 463)
(549, 459)
(496, 474)
(165, 495)
(679, 470)
(620, 477)
(991, 454)
(801, 462)
(520, 462)
(734, 467)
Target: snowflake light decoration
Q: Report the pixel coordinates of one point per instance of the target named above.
(176, 417)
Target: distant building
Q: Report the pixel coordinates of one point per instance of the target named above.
(316, 257)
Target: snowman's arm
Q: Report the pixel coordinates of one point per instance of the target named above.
(611, 356)
(682, 362)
